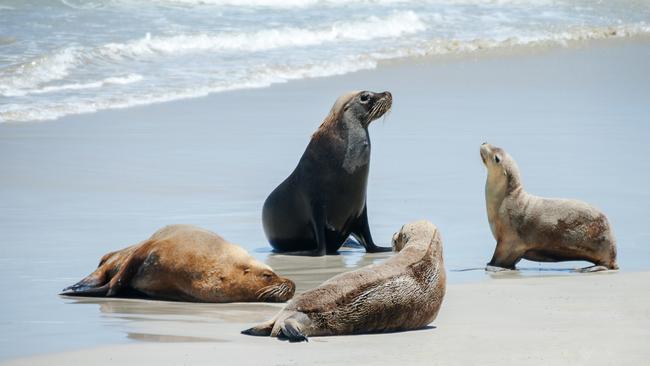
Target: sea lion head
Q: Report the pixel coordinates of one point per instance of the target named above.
(415, 234)
(360, 107)
(258, 282)
(366, 106)
(503, 172)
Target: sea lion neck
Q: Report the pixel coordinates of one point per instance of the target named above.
(357, 148)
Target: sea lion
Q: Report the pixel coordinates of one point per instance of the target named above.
(404, 292)
(185, 263)
(540, 229)
(323, 201)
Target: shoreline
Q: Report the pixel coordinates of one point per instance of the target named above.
(74, 189)
(472, 50)
(600, 319)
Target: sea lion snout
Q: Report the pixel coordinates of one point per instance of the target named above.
(490, 153)
(413, 233)
(282, 290)
(484, 150)
(386, 98)
(386, 95)
(377, 105)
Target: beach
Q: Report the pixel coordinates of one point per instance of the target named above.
(575, 118)
(598, 319)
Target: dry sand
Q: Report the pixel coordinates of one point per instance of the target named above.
(599, 319)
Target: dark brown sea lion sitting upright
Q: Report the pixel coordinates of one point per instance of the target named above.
(540, 229)
(185, 263)
(323, 201)
(404, 292)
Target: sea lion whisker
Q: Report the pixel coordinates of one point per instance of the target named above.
(270, 291)
(264, 290)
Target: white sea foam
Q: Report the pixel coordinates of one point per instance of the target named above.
(116, 80)
(134, 52)
(440, 46)
(38, 71)
(28, 77)
(395, 25)
(262, 76)
(266, 75)
(281, 4)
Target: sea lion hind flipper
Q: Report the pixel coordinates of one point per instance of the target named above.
(262, 330)
(129, 268)
(95, 284)
(291, 330)
(85, 288)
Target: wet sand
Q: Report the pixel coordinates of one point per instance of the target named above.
(596, 319)
(575, 119)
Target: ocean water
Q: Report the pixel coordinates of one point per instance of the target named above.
(63, 57)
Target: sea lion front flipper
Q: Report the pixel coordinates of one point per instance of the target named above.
(318, 227)
(506, 255)
(361, 232)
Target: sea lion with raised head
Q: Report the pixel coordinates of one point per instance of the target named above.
(185, 263)
(405, 292)
(540, 229)
(323, 201)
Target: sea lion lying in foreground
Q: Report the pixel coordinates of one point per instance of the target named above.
(541, 229)
(404, 292)
(323, 201)
(185, 263)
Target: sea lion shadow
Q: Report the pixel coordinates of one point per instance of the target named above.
(146, 308)
(323, 338)
(497, 272)
(168, 338)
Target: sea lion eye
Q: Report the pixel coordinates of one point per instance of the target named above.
(267, 276)
(497, 159)
(364, 98)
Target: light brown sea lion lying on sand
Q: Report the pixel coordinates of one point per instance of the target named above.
(404, 292)
(185, 263)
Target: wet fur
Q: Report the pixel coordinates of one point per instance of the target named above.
(404, 292)
(184, 263)
(540, 229)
